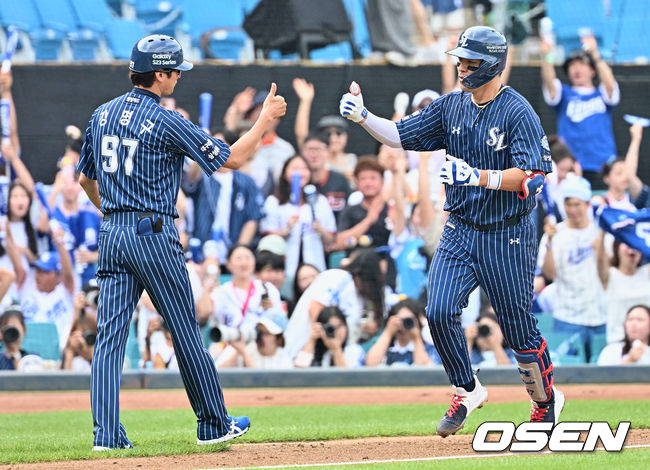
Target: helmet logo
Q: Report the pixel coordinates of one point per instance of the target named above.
(463, 41)
(496, 140)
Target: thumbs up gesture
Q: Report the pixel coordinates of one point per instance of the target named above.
(274, 105)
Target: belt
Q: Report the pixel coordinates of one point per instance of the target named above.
(509, 222)
(132, 218)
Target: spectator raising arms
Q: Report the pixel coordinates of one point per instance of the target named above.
(584, 112)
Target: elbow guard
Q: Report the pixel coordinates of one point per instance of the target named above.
(532, 184)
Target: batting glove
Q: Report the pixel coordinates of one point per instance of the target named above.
(458, 173)
(351, 105)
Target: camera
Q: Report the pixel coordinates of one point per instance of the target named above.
(10, 334)
(91, 298)
(89, 336)
(408, 323)
(330, 330)
(484, 331)
(228, 334)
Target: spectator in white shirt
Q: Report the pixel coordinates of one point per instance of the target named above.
(567, 256)
(634, 349)
(626, 284)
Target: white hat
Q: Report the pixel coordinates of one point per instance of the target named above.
(576, 186)
(273, 243)
(274, 320)
(420, 96)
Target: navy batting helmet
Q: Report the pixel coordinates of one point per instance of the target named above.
(487, 44)
(156, 52)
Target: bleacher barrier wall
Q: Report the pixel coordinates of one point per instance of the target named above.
(49, 97)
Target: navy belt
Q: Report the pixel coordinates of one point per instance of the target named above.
(509, 222)
(132, 218)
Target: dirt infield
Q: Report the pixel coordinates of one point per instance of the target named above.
(349, 450)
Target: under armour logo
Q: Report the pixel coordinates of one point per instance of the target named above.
(146, 127)
(455, 130)
(514, 240)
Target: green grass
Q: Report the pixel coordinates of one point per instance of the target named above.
(632, 459)
(63, 435)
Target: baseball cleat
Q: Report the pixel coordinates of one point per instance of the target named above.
(126, 445)
(549, 413)
(462, 404)
(238, 427)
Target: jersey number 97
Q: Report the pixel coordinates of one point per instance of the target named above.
(111, 148)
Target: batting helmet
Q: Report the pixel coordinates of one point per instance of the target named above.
(487, 44)
(156, 52)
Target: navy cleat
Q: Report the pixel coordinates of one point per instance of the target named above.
(548, 413)
(462, 404)
(238, 427)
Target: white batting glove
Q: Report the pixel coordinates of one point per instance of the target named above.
(351, 105)
(458, 173)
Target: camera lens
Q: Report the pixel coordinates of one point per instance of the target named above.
(408, 323)
(90, 337)
(10, 334)
(484, 331)
(329, 330)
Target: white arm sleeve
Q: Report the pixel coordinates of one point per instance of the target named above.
(383, 130)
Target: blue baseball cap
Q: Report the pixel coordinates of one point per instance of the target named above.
(274, 320)
(49, 261)
(577, 187)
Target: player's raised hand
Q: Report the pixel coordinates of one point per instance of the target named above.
(351, 104)
(458, 173)
(274, 105)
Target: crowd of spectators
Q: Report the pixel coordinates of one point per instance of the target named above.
(315, 257)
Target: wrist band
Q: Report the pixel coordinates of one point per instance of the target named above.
(550, 58)
(494, 179)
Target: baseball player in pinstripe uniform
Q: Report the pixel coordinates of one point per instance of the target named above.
(497, 158)
(131, 166)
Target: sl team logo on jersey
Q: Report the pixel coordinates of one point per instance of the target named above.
(496, 140)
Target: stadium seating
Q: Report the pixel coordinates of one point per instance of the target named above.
(122, 35)
(42, 339)
(569, 17)
(57, 15)
(223, 18)
(566, 348)
(596, 345)
(23, 15)
(133, 355)
(161, 16)
(357, 12)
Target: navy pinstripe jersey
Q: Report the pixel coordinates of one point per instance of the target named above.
(135, 150)
(505, 133)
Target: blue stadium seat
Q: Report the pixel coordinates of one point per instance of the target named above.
(545, 322)
(332, 53)
(566, 348)
(42, 339)
(94, 15)
(596, 345)
(122, 35)
(569, 17)
(23, 15)
(160, 16)
(132, 348)
(58, 15)
(224, 17)
(357, 13)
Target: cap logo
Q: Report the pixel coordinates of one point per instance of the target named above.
(463, 42)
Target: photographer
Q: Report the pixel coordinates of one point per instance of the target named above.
(78, 351)
(159, 349)
(12, 332)
(485, 342)
(328, 343)
(267, 352)
(401, 341)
